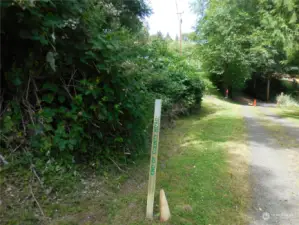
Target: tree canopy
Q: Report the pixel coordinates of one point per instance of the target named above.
(241, 39)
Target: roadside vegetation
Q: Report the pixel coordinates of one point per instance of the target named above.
(288, 107)
(78, 83)
(203, 165)
(284, 133)
(286, 101)
(289, 113)
(249, 45)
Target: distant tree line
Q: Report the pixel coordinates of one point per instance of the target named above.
(247, 40)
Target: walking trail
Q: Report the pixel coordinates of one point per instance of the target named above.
(274, 174)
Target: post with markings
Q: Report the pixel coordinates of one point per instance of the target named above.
(153, 160)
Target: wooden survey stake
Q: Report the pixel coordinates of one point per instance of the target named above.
(153, 160)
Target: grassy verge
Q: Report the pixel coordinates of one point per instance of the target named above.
(203, 167)
(277, 130)
(291, 113)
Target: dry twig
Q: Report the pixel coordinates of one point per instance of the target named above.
(37, 203)
(66, 88)
(120, 169)
(28, 85)
(72, 77)
(35, 173)
(16, 148)
(2, 159)
(36, 96)
(29, 110)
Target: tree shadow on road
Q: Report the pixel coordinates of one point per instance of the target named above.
(271, 181)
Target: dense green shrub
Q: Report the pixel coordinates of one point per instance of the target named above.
(291, 87)
(174, 81)
(79, 79)
(70, 88)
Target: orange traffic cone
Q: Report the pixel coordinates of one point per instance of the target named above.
(254, 102)
(164, 208)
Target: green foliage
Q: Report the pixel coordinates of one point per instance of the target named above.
(173, 79)
(222, 40)
(239, 40)
(80, 79)
(78, 83)
(204, 140)
(70, 106)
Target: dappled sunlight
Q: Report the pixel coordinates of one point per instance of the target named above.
(289, 113)
(190, 142)
(216, 101)
(213, 157)
(274, 166)
(286, 136)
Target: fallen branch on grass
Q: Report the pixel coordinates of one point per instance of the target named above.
(38, 205)
(2, 160)
(120, 169)
(35, 173)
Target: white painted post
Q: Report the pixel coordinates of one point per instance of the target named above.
(153, 160)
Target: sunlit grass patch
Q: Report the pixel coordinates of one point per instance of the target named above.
(203, 168)
(291, 113)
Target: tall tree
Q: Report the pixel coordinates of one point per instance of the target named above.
(223, 39)
(241, 39)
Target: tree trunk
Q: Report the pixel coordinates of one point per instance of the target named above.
(268, 88)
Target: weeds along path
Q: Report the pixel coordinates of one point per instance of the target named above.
(289, 125)
(274, 171)
(202, 166)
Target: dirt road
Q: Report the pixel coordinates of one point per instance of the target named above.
(274, 175)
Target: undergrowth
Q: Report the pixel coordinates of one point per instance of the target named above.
(286, 100)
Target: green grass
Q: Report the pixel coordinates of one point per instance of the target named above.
(276, 130)
(202, 166)
(291, 113)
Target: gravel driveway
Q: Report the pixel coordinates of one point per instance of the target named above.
(274, 181)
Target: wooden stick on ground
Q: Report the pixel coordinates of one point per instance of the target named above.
(38, 205)
(2, 159)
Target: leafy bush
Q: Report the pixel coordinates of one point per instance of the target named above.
(79, 80)
(69, 86)
(286, 100)
(174, 81)
(291, 87)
